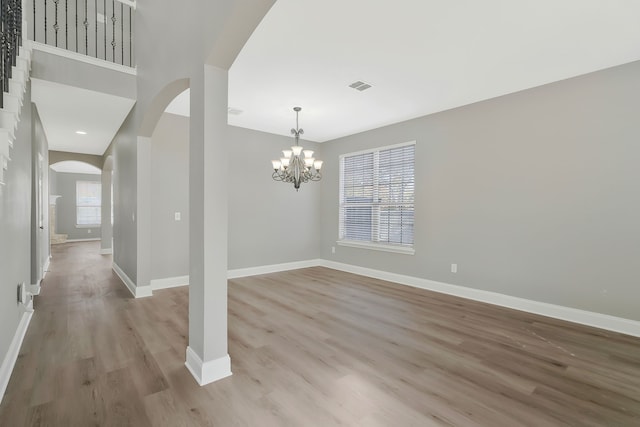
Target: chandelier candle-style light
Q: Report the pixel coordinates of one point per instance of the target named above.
(298, 165)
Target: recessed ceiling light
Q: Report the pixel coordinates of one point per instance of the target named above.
(81, 132)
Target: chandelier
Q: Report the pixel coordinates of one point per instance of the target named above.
(298, 165)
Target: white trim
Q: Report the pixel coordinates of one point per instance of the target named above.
(45, 268)
(597, 320)
(131, 4)
(377, 247)
(136, 291)
(83, 58)
(381, 148)
(274, 268)
(107, 251)
(11, 357)
(169, 282)
(37, 287)
(93, 239)
(207, 372)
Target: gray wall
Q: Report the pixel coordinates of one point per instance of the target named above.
(170, 194)
(66, 206)
(62, 156)
(40, 246)
(15, 228)
(269, 222)
(533, 194)
(256, 202)
(125, 181)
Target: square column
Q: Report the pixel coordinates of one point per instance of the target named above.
(207, 354)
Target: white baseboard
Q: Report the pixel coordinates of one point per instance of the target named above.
(274, 268)
(36, 287)
(169, 282)
(45, 268)
(598, 320)
(93, 239)
(107, 251)
(12, 355)
(136, 291)
(207, 372)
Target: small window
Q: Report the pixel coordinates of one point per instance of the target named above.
(377, 198)
(88, 203)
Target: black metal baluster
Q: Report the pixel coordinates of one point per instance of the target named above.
(55, 24)
(76, 25)
(113, 31)
(45, 21)
(66, 24)
(34, 21)
(19, 26)
(130, 41)
(86, 29)
(121, 34)
(104, 11)
(3, 47)
(96, 5)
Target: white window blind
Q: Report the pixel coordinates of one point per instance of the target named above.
(377, 196)
(88, 202)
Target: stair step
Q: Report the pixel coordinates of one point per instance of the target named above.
(9, 122)
(12, 102)
(5, 144)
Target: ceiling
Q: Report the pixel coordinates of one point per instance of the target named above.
(420, 56)
(64, 110)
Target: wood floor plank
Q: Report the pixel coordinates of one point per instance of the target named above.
(310, 347)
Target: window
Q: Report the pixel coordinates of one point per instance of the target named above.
(88, 203)
(377, 198)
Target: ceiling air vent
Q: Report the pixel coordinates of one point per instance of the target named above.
(234, 111)
(360, 85)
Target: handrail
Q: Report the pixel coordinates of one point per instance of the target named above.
(101, 29)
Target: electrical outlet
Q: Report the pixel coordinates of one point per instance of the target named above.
(333, 249)
(454, 268)
(177, 216)
(89, 231)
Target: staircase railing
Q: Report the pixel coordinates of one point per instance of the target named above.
(10, 40)
(101, 29)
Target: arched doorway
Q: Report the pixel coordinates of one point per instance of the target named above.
(75, 201)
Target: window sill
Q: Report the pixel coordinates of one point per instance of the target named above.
(88, 225)
(377, 247)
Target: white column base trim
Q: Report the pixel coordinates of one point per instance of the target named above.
(35, 289)
(589, 318)
(107, 251)
(207, 372)
(11, 357)
(169, 282)
(274, 268)
(136, 291)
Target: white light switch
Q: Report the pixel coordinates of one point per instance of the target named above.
(177, 216)
(454, 268)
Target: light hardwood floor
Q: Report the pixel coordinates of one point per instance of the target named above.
(312, 347)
